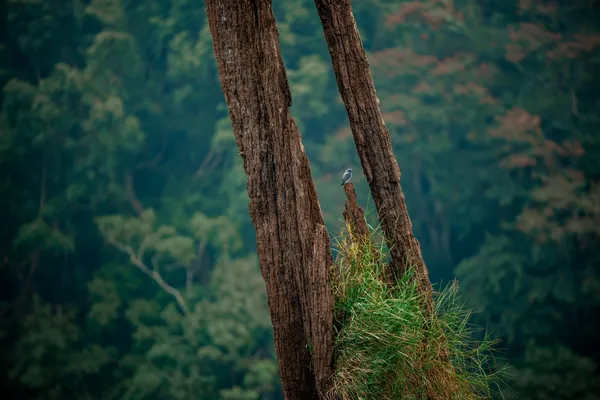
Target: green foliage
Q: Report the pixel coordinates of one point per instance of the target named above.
(38, 234)
(388, 347)
(107, 302)
(554, 371)
(114, 138)
(181, 356)
(51, 354)
(496, 158)
(102, 123)
(138, 235)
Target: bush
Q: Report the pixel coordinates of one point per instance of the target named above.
(387, 347)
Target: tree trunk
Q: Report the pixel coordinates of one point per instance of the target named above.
(354, 215)
(293, 243)
(372, 138)
(374, 148)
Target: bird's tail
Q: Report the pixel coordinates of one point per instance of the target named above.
(342, 184)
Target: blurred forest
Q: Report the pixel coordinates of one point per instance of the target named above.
(127, 255)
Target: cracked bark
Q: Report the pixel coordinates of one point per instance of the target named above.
(354, 215)
(372, 138)
(292, 241)
(374, 148)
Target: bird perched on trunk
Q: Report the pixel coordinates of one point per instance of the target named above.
(347, 176)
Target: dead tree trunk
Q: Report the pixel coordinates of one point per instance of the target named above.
(354, 215)
(372, 138)
(358, 231)
(293, 243)
(374, 148)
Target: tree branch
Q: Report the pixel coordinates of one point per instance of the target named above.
(43, 189)
(211, 160)
(152, 273)
(154, 162)
(193, 269)
(131, 196)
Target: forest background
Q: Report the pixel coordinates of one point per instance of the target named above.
(127, 255)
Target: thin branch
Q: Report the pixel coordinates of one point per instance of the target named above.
(192, 270)
(206, 160)
(142, 249)
(154, 274)
(35, 257)
(574, 106)
(38, 74)
(154, 162)
(131, 196)
(43, 188)
(201, 249)
(212, 159)
(189, 280)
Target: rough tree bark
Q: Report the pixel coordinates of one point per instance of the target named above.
(374, 148)
(358, 230)
(293, 243)
(375, 151)
(372, 138)
(354, 215)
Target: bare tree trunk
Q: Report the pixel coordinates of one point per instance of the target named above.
(372, 138)
(293, 243)
(374, 148)
(354, 215)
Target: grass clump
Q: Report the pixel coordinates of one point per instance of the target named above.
(387, 347)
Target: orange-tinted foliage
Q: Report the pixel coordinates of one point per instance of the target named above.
(343, 133)
(432, 12)
(517, 125)
(574, 48)
(527, 37)
(406, 9)
(453, 64)
(399, 60)
(541, 7)
(396, 117)
(423, 87)
(474, 89)
(518, 161)
(563, 203)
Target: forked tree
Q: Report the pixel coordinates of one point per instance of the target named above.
(292, 241)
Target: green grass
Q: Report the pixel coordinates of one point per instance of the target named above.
(388, 348)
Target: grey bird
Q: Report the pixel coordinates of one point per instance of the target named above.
(347, 176)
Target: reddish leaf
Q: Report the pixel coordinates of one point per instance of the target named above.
(514, 53)
(406, 9)
(395, 117)
(399, 60)
(518, 161)
(423, 88)
(572, 49)
(452, 65)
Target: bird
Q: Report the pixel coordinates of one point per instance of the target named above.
(347, 176)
